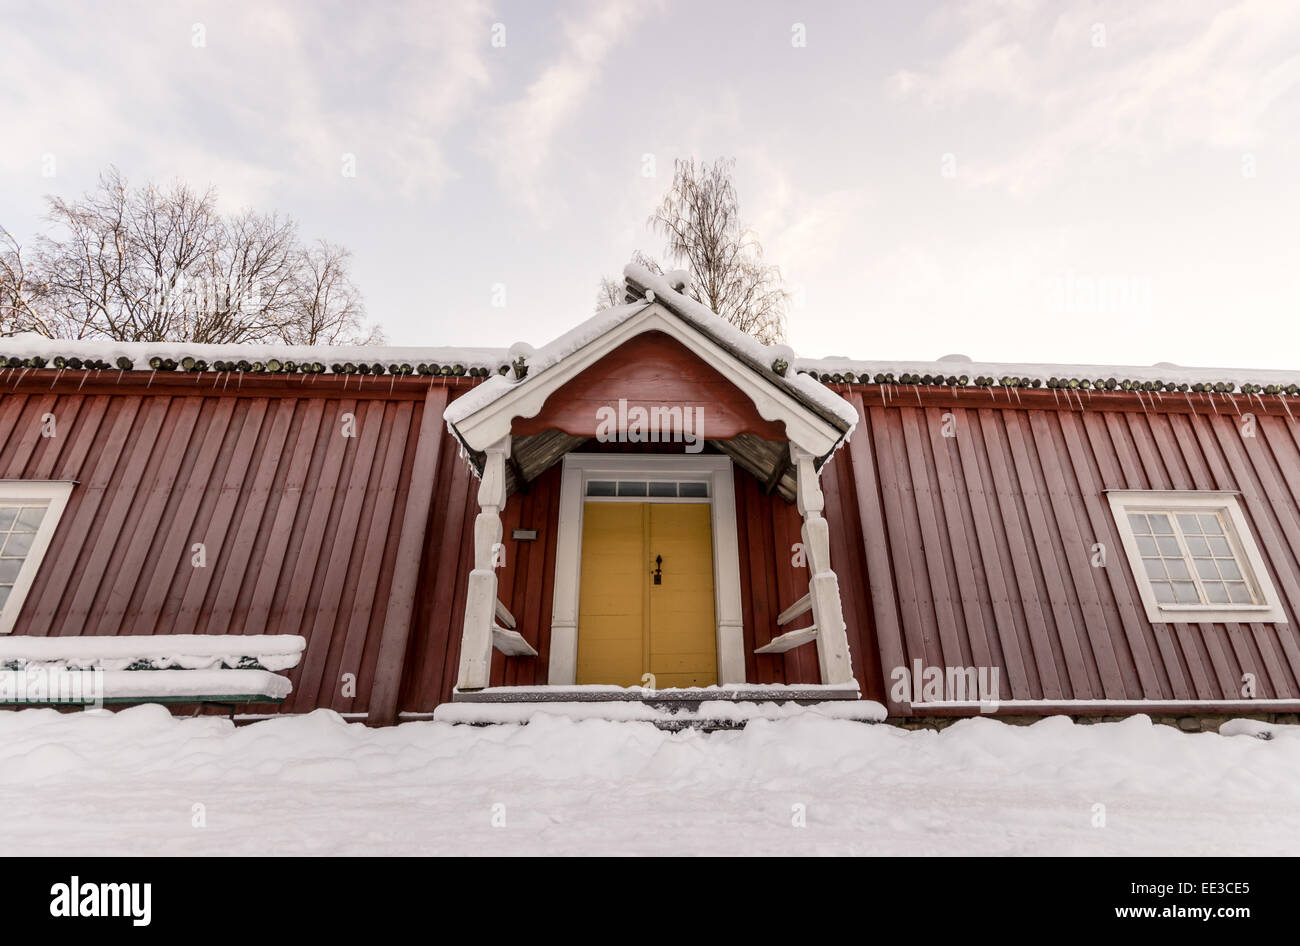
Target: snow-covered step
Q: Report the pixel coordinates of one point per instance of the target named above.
(708, 715)
(601, 693)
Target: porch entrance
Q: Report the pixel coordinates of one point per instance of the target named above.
(629, 625)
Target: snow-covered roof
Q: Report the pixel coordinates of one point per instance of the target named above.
(815, 417)
(959, 370)
(36, 351)
(191, 356)
(658, 289)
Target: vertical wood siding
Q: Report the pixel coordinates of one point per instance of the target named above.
(978, 546)
(971, 550)
(299, 523)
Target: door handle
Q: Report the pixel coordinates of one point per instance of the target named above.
(659, 569)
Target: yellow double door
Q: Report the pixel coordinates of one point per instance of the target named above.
(629, 625)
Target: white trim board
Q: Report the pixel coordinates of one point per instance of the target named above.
(54, 493)
(581, 467)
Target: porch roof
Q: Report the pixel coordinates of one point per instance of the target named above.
(814, 418)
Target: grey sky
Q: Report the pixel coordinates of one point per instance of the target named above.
(931, 177)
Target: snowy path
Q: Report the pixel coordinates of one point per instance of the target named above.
(128, 783)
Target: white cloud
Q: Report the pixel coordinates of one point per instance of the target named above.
(1114, 79)
(270, 101)
(519, 135)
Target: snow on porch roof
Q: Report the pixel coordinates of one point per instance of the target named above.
(644, 289)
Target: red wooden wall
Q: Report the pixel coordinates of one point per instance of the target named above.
(964, 551)
(979, 545)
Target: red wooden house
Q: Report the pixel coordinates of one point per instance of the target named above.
(655, 499)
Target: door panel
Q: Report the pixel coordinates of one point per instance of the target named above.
(683, 636)
(611, 599)
(627, 625)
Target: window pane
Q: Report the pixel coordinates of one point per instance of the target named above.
(1210, 525)
(18, 545)
(1206, 569)
(1185, 592)
(1155, 568)
(1146, 546)
(631, 489)
(1198, 546)
(1239, 593)
(1187, 522)
(663, 489)
(1219, 546)
(1160, 524)
(1168, 546)
(1164, 594)
(600, 488)
(4, 594)
(9, 568)
(1138, 523)
(1177, 568)
(7, 516)
(29, 519)
(1215, 591)
(1229, 569)
(693, 490)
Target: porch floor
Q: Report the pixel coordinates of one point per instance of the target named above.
(705, 708)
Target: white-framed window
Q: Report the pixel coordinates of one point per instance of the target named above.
(1194, 557)
(29, 512)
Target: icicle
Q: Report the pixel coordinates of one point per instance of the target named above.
(1287, 407)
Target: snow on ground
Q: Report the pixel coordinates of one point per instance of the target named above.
(128, 782)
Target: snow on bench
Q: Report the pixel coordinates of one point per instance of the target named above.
(217, 668)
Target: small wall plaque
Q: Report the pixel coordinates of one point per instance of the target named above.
(524, 535)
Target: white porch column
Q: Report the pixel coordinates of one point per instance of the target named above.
(823, 585)
(481, 600)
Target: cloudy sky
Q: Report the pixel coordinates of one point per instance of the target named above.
(1103, 181)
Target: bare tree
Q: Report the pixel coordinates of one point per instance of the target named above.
(699, 217)
(154, 264)
(19, 290)
(330, 308)
(609, 294)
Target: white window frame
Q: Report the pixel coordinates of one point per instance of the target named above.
(55, 496)
(579, 468)
(1240, 538)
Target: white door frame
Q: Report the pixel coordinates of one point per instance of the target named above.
(579, 468)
